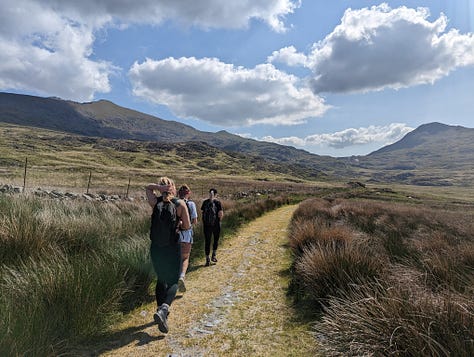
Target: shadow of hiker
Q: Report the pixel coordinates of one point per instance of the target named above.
(144, 338)
(123, 338)
(197, 267)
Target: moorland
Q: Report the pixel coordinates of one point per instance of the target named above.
(384, 241)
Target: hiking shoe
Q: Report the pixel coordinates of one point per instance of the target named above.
(160, 318)
(208, 262)
(214, 259)
(181, 285)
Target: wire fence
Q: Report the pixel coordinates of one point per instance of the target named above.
(133, 186)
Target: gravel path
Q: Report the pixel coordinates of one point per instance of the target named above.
(236, 307)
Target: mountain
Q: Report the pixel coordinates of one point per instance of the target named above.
(101, 119)
(108, 120)
(433, 136)
(432, 154)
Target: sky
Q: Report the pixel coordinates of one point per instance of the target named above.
(335, 78)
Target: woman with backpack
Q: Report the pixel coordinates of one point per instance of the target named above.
(212, 214)
(186, 236)
(169, 216)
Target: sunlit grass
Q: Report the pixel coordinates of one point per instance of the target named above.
(400, 274)
(72, 268)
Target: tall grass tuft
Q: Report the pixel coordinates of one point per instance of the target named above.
(68, 270)
(330, 270)
(394, 279)
(376, 320)
(54, 300)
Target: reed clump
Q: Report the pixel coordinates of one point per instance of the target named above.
(387, 279)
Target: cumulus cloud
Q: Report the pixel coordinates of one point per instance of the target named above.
(46, 46)
(348, 137)
(46, 53)
(224, 94)
(289, 56)
(380, 47)
(202, 13)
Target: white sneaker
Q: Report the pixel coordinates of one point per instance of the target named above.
(181, 285)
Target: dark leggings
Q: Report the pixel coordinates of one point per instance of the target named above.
(167, 265)
(209, 231)
(164, 293)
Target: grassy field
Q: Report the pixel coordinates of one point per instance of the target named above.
(396, 260)
(70, 269)
(400, 270)
(61, 160)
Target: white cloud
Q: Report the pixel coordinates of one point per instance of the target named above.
(349, 137)
(46, 46)
(379, 47)
(289, 56)
(220, 93)
(202, 13)
(46, 53)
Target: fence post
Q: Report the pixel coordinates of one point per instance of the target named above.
(24, 175)
(128, 187)
(89, 182)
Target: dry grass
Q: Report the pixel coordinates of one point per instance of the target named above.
(235, 308)
(401, 274)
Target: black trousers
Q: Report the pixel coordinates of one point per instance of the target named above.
(210, 231)
(167, 264)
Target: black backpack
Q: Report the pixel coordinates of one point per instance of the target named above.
(164, 223)
(209, 215)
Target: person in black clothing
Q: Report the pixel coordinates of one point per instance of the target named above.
(212, 214)
(169, 215)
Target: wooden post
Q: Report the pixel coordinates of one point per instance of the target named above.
(128, 187)
(89, 182)
(24, 175)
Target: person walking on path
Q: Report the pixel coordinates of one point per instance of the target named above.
(212, 214)
(169, 216)
(186, 235)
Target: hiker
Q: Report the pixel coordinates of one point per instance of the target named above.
(186, 235)
(169, 216)
(212, 214)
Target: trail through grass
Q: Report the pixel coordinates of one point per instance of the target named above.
(234, 308)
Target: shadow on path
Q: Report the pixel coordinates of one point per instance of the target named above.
(123, 338)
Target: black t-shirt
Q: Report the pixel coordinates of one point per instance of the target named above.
(217, 203)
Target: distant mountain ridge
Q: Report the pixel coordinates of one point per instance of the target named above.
(432, 154)
(424, 134)
(108, 120)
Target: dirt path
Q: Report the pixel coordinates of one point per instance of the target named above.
(237, 307)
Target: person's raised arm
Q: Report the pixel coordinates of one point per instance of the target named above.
(150, 192)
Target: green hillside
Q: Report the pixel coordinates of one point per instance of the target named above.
(60, 159)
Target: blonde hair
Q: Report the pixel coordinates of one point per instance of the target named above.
(167, 181)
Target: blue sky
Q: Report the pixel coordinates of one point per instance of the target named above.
(335, 78)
